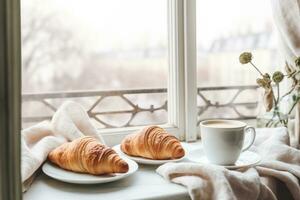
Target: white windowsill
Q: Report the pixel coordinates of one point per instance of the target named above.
(144, 184)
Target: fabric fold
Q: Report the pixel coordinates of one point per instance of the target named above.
(68, 123)
(286, 14)
(280, 162)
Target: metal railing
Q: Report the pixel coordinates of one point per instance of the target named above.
(228, 101)
(208, 106)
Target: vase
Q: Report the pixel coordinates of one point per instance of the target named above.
(271, 119)
(276, 117)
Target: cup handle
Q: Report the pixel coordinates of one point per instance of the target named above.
(251, 130)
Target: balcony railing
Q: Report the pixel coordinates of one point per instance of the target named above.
(124, 108)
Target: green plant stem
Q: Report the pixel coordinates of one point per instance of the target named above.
(288, 93)
(270, 121)
(256, 69)
(276, 107)
(274, 98)
(277, 123)
(292, 108)
(279, 118)
(278, 93)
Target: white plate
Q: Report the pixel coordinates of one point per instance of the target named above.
(73, 177)
(246, 159)
(146, 160)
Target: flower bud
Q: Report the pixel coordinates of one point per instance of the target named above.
(277, 77)
(261, 82)
(264, 82)
(245, 57)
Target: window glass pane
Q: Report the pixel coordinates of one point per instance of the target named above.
(99, 45)
(224, 30)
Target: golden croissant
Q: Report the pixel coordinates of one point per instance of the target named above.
(154, 143)
(87, 155)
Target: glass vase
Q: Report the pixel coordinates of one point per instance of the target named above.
(271, 119)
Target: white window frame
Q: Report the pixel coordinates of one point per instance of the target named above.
(182, 80)
(181, 92)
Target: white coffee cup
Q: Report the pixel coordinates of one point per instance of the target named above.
(223, 140)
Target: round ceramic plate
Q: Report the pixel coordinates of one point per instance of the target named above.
(246, 159)
(72, 177)
(145, 160)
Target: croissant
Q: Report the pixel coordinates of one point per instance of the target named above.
(87, 155)
(154, 143)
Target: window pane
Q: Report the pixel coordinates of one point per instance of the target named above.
(96, 45)
(224, 30)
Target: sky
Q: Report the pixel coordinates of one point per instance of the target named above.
(220, 18)
(115, 23)
(109, 24)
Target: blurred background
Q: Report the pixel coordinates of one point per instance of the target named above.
(112, 57)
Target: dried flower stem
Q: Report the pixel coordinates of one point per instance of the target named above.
(271, 100)
(257, 69)
(294, 73)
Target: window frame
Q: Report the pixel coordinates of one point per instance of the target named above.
(10, 100)
(182, 79)
(181, 87)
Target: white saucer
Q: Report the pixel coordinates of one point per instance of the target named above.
(145, 160)
(72, 177)
(246, 159)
